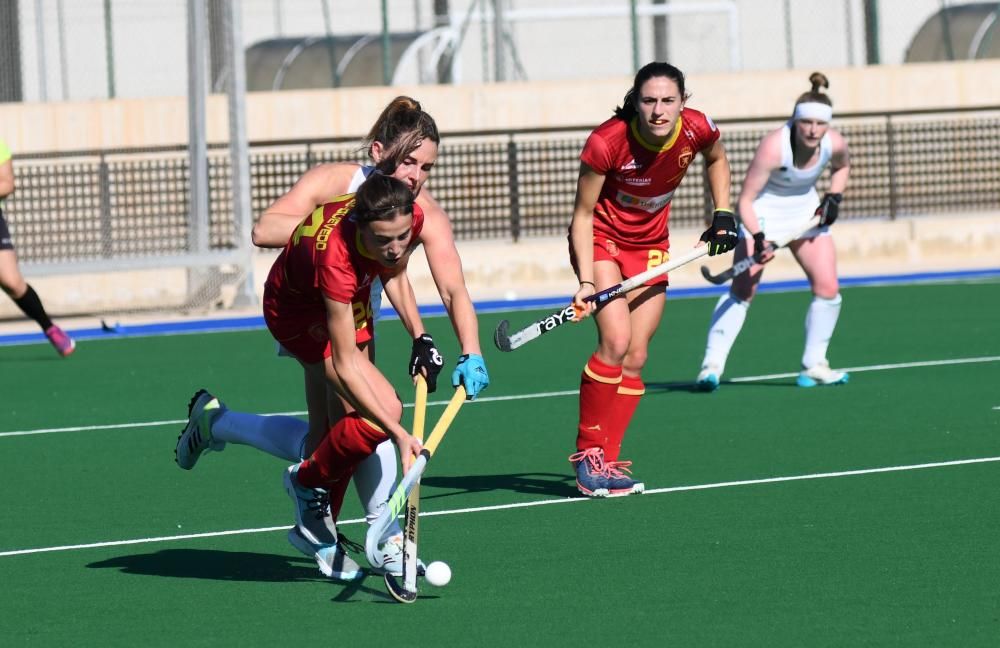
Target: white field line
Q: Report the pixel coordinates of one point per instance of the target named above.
(519, 505)
(881, 367)
(495, 399)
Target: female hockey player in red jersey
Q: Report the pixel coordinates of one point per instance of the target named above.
(630, 167)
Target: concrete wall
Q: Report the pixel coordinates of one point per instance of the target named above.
(539, 267)
(350, 112)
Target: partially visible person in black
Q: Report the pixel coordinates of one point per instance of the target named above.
(10, 276)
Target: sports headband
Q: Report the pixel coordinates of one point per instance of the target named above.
(813, 110)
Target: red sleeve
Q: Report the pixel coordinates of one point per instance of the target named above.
(596, 154)
(705, 130)
(337, 282)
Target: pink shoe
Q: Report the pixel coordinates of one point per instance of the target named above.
(63, 343)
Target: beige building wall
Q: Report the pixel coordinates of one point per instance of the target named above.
(30, 128)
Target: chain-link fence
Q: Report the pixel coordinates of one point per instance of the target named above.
(56, 50)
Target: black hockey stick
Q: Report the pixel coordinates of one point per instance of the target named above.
(507, 341)
(743, 265)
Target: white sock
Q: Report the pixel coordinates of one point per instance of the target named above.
(727, 322)
(821, 319)
(374, 480)
(281, 436)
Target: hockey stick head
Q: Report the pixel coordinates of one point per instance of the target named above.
(718, 279)
(391, 510)
(501, 336)
(397, 591)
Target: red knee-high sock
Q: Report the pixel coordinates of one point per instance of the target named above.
(598, 384)
(332, 464)
(630, 390)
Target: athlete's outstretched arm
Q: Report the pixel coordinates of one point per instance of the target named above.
(719, 174)
(315, 187)
(6, 179)
(581, 233)
(348, 371)
(400, 293)
(766, 159)
(446, 269)
(840, 163)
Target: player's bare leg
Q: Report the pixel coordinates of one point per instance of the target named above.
(13, 283)
(598, 385)
(645, 312)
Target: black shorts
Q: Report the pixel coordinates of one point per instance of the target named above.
(6, 243)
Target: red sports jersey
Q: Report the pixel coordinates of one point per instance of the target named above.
(324, 256)
(640, 179)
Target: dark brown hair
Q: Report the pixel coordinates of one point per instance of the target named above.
(401, 128)
(818, 80)
(655, 69)
(381, 197)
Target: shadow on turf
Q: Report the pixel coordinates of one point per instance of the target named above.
(215, 565)
(551, 484)
(692, 388)
(239, 566)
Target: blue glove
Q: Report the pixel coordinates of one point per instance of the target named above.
(470, 372)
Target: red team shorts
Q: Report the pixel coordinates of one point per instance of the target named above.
(305, 335)
(630, 259)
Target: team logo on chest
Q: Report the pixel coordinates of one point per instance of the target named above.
(684, 159)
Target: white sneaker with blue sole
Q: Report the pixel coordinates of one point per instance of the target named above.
(822, 374)
(315, 533)
(708, 378)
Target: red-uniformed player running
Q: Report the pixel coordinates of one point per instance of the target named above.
(630, 167)
(317, 304)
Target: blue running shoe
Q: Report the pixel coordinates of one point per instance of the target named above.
(708, 378)
(822, 374)
(619, 483)
(591, 479)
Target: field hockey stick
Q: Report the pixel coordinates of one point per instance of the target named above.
(743, 265)
(408, 592)
(398, 499)
(507, 341)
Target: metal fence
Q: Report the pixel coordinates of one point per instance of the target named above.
(101, 207)
(86, 49)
